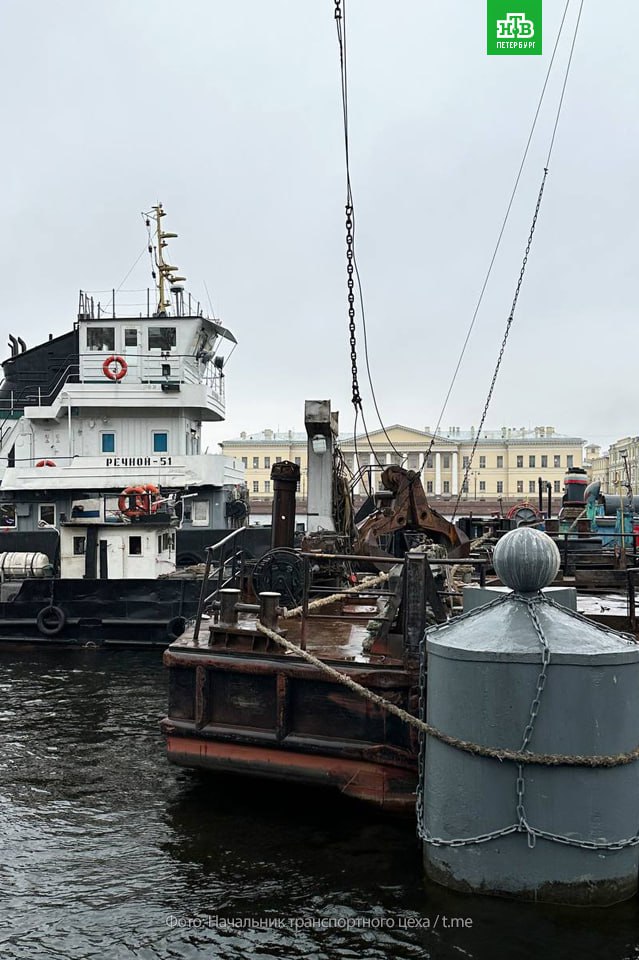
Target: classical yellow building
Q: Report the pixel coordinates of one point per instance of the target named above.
(507, 462)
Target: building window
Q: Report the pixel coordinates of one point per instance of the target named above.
(500, 463)
(500, 486)
(557, 486)
(256, 463)
(130, 338)
(412, 461)
(531, 486)
(100, 338)
(446, 461)
(465, 486)
(520, 461)
(298, 461)
(544, 460)
(135, 546)
(482, 463)
(162, 338)
(569, 461)
(256, 486)
(79, 546)
(482, 486)
(520, 486)
(531, 461)
(108, 442)
(278, 459)
(557, 460)
(245, 462)
(267, 486)
(160, 442)
(267, 463)
(465, 462)
(446, 486)
(429, 462)
(46, 513)
(429, 486)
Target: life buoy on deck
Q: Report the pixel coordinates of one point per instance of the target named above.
(51, 620)
(46, 463)
(138, 501)
(114, 368)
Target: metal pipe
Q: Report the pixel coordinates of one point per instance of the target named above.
(285, 476)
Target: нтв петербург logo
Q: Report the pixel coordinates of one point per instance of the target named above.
(513, 27)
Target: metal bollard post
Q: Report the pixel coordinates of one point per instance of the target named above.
(229, 597)
(269, 602)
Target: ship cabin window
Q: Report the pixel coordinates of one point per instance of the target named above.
(108, 442)
(162, 338)
(46, 513)
(160, 442)
(101, 338)
(8, 515)
(79, 546)
(201, 512)
(130, 338)
(166, 542)
(135, 546)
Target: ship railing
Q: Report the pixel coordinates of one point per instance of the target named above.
(15, 403)
(143, 304)
(227, 555)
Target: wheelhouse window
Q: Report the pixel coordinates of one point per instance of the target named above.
(162, 338)
(160, 442)
(108, 442)
(79, 546)
(8, 515)
(130, 338)
(46, 513)
(135, 546)
(101, 338)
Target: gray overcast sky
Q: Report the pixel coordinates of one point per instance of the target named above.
(229, 113)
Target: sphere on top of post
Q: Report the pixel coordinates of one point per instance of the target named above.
(526, 560)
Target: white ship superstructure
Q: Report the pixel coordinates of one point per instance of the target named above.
(118, 402)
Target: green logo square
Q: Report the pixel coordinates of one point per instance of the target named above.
(514, 27)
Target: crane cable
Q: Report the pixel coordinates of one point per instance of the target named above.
(500, 235)
(522, 271)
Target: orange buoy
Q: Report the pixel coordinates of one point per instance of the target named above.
(114, 368)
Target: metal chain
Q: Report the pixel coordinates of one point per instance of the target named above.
(511, 317)
(356, 398)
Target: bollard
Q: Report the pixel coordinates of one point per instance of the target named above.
(229, 597)
(269, 603)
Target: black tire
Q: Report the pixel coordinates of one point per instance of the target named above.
(51, 620)
(175, 628)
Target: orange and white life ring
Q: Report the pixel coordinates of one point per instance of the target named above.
(46, 463)
(114, 368)
(138, 501)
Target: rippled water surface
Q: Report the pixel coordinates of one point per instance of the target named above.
(109, 852)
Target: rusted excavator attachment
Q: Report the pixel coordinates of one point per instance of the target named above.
(408, 511)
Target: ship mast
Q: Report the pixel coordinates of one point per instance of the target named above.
(166, 272)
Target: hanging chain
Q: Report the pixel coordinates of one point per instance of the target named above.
(357, 400)
(509, 323)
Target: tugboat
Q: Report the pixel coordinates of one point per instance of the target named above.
(104, 488)
(114, 404)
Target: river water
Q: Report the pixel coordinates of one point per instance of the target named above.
(109, 852)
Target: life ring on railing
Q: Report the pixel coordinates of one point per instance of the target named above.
(51, 620)
(119, 363)
(46, 463)
(139, 501)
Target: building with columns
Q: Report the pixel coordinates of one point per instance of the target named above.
(507, 462)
